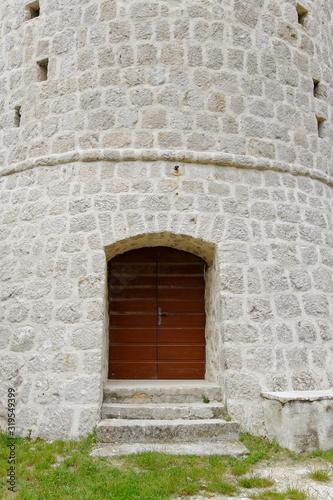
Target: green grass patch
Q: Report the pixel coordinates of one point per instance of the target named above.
(328, 455)
(292, 494)
(66, 471)
(270, 495)
(321, 476)
(255, 482)
(295, 494)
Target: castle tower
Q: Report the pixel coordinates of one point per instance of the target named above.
(199, 126)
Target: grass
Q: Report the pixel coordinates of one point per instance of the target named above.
(295, 494)
(269, 495)
(205, 399)
(292, 494)
(321, 476)
(255, 482)
(65, 470)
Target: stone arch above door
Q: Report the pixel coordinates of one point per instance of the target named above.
(187, 243)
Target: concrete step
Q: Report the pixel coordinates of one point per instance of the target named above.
(163, 411)
(166, 431)
(226, 448)
(160, 391)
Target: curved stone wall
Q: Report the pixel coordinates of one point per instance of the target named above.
(267, 239)
(230, 78)
(238, 95)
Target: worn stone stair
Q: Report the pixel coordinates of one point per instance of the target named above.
(163, 411)
(178, 417)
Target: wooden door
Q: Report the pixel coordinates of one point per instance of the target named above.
(157, 315)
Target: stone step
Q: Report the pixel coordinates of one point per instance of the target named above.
(166, 431)
(161, 391)
(163, 411)
(226, 448)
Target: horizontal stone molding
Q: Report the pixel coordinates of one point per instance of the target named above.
(150, 155)
(290, 396)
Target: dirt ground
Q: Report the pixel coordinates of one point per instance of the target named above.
(285, 476)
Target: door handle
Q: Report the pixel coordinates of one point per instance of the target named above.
(160, 314)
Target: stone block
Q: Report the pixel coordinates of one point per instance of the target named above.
(232, 279)
(316, 305)
(56, 423)
(260, 310)
(48, 390)
(87, 336)
(85, 389)
(23, 339)
(302, 423)
(70, 312)
(243, 385)
(154, 118)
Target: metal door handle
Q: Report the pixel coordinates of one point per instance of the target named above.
(160, 314)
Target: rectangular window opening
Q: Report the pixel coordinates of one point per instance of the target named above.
(301, 13)
(321, 126)
(43, 67)
(33, 9)
(316, 88)
(17, 118)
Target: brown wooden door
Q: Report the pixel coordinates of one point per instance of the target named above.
(157, 315)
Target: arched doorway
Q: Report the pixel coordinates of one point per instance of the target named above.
(156, 314)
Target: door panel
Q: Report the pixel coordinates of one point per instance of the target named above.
(180, 370)
(132, 370)
(178, 281)
(168, 293)
(133, 306)
(134, 335)
(175, 335)
(133, 352)
(182, 306)
(184, 319)
(180, 352)
(140, 282)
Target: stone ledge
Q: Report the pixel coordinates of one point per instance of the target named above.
(289, 396)
(228, 448)
(182, 156)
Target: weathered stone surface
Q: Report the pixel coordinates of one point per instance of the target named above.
(166, 431)
(23, 339)
(227, 448)
(300, 421)
(56, 423)
(229, 95)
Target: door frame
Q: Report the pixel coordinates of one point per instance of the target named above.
(205, 250)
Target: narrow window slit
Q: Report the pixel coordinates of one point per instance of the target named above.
(43, 68)
(316, 88)
(321, 126)
(17, 119)
(302, 13)
(33, 9)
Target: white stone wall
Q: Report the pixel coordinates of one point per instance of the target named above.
(223, 89)
(267, 240)
(231, 76)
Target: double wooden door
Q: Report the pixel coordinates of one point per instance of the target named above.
(157, 315)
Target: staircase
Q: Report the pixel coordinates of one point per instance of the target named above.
(167, 416)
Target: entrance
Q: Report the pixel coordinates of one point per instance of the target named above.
(157, 315)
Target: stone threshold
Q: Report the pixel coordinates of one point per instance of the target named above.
(158, 384)
(289, 396)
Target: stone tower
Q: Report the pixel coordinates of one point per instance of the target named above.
(204, 126)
